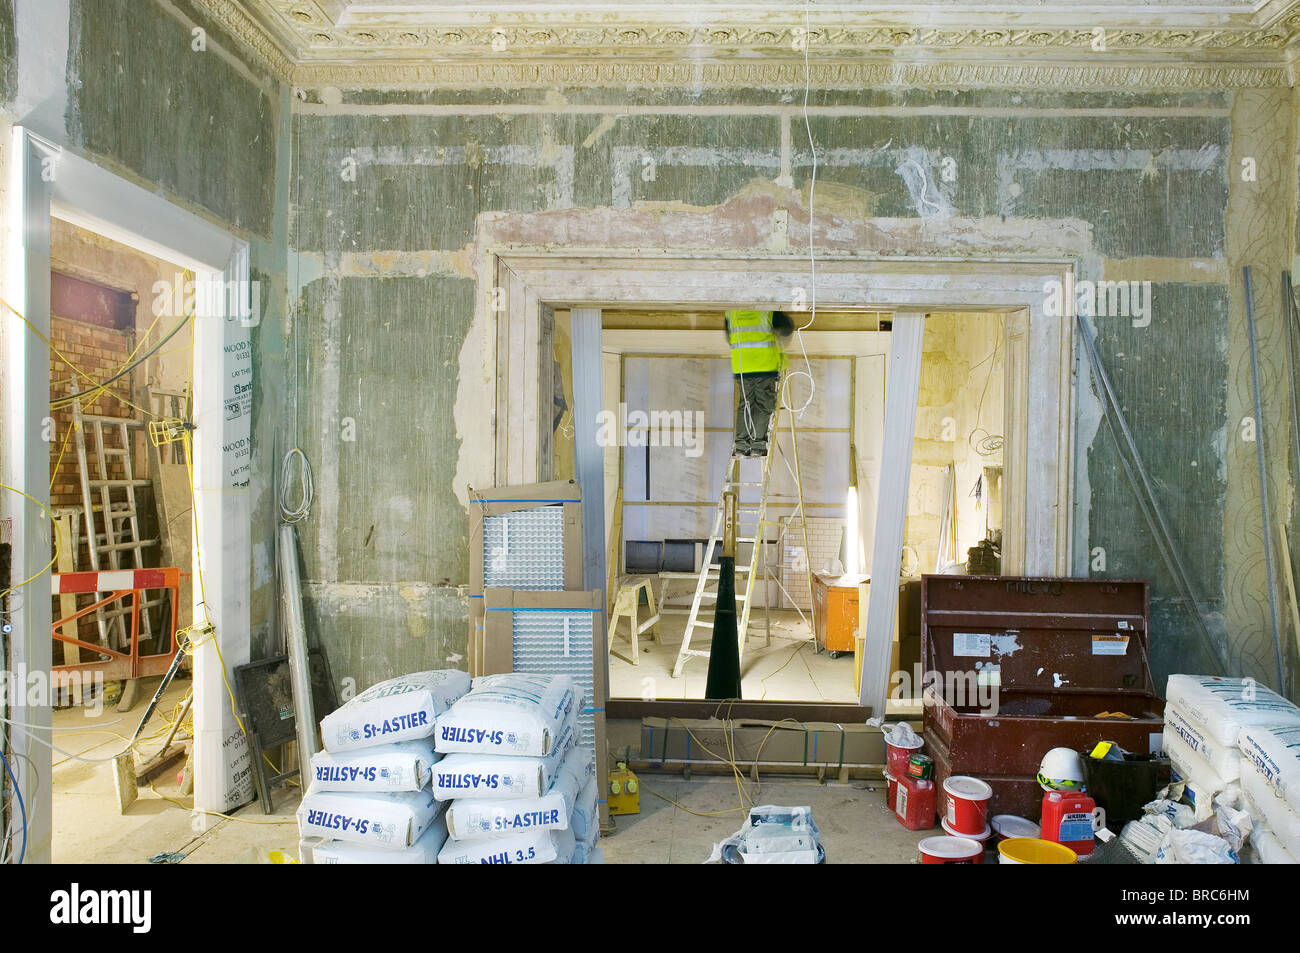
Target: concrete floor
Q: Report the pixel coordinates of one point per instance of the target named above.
(790, 669)
(856, 826)
(89, 827)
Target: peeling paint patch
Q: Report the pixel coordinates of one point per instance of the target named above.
(605, 125)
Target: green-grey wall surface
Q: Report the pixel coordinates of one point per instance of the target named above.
(8, 53)
(1152, 186)
(209, 127)
(1171, 381)
(188, 120)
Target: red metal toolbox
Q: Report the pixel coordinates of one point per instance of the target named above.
(1016, 665)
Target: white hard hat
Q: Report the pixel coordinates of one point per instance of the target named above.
(1061, 770)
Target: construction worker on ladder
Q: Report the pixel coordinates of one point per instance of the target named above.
(757, 360)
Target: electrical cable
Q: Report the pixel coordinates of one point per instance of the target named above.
(292, 512)
(58, 542)
(22, 854)
(812, 254)
(100, 387)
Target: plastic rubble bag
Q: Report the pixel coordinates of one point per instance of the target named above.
(772, 834)
(901, 735)
(1145, 835)
(1194, 847)
(1179, 815)
(399, 709)
(1232, 824)
(510, 714)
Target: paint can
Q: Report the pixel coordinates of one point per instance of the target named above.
(982, 837)
(968, 804)
(898, 756)
(920, 766)
(951, 850)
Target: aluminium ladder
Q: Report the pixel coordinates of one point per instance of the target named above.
(117, 531)
(749, 531)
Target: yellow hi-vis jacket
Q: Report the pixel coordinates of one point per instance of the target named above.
(754, 345)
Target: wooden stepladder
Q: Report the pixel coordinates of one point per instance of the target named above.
(751, 526)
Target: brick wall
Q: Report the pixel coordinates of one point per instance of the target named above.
(98, 352)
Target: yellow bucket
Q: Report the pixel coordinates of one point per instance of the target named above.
(1033, 850)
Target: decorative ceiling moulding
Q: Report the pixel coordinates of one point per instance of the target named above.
(313, 43)
(570, 75)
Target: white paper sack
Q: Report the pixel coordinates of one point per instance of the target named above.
(471, 818)
(509, 714)
(399, 709)
(1270, 810)
(585, 847)
(586, 822)
(565, 846)
(402, 766)
(391, 820)
(423, 851)
(1194, 847)
(535, 848)
(1275, 753)
(498, 776)
(1195, 770)
(1224, 760)
(1269, 849)
(1223, 706)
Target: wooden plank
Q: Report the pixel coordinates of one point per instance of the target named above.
(67, 601)
(904, 377)
(834, 712)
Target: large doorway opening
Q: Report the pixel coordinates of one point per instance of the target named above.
(668, 402)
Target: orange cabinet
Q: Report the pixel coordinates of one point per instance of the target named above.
(836, 600)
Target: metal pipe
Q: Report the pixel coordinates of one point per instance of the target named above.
(1141, 485)
(1263, 483)
(295, 638)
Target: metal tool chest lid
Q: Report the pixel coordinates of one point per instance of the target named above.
(1039, 634)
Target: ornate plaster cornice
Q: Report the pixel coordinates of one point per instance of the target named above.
(313, 43)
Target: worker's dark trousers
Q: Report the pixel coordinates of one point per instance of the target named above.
(754, 409)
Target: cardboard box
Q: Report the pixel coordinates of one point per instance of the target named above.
(763, 742)
(495, 501)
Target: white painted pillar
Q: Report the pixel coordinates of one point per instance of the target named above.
(223, 377)
(25, 466)
(902, 381)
